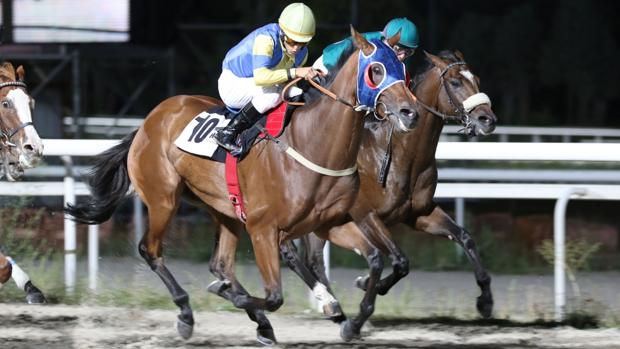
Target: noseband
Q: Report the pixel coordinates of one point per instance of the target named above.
(461, 109)
(5, 136)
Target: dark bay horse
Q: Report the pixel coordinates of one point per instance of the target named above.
(447, 90)
(284, 200)
(20, 148)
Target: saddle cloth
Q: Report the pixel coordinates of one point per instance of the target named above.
(196, 137)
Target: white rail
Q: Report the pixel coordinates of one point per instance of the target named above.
(580, 152)
(537, 134)
(112, 125)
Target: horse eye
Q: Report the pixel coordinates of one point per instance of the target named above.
(377, 74)
(455, 82)
(6, 104)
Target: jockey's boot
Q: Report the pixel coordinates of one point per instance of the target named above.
(226, 136)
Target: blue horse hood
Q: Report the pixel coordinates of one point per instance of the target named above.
(394, 72)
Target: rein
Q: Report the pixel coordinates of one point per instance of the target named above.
(358, 108)
(294, 153)
(326, 92)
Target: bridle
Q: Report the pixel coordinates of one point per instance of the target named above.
(5, 136)
(462, 110)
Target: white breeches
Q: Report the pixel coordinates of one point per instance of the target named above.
(237, 92)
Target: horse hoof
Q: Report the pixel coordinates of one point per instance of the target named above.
(332, 309)
(265, 336)
(218, 286)
(185, 329)
(362, 282)
(347, 333)
(36, 298)
(485, 306)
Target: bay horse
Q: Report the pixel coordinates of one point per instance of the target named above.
(402, 190)
(20, 148)
(283, 198)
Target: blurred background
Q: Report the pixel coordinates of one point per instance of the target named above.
(541, 62)
(96, 69)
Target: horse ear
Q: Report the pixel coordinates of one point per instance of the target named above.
(360, 42)
(20, 73)
(394, 39)
(438, 62)
(459, 55)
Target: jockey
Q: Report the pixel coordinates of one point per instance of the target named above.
(404, 48)
(254, 71)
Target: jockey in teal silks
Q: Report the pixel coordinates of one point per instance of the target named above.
(404, 49)
(256, 69)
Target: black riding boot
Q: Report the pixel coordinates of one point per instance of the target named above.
(226, 136)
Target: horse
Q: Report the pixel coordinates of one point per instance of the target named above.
(398, 177)
(284, 199)
(20, 148)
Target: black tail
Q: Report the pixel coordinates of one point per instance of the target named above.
(108, 182)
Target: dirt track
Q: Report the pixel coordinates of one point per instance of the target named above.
(50, 327)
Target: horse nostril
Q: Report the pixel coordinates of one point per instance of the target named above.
(485, 119)
(407, 112)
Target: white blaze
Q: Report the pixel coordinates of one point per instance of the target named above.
(21, 101)
(469, 76)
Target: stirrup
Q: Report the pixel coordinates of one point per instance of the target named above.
(228, 146)
(234, 149)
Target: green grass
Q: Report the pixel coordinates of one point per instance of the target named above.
(192, 239)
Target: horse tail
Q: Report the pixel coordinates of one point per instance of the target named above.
(108, 182)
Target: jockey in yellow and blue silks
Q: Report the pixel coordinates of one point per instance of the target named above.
(253, 72)
(409, 40)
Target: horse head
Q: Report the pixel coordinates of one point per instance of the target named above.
(381, 87)
(457, 94)
(20, 145)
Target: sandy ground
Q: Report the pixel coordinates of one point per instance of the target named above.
(50, 327)
(420, 294)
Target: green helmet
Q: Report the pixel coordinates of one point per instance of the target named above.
(408, 31)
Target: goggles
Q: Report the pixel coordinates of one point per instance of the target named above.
(292, 42)
(407, 51)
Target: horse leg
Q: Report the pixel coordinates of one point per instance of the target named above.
(5, 270)
(266, 249)
(161, 197)
(439, 223)
(313, 257)
(321, 291)
(227, 286)
(22, 280)
(351, 237)
(379, 235)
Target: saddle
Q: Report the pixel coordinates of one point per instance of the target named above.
(273, 122)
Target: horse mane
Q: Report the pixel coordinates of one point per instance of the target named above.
(7, 71)
(312, 94)
(446, 55)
